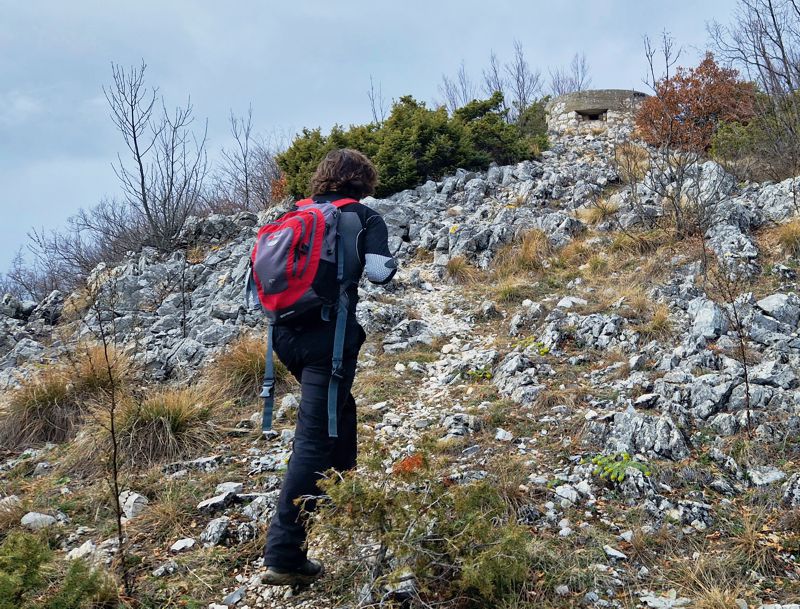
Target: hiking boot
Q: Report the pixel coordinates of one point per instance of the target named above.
(305, 574)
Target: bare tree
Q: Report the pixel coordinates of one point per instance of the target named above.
(108, 367)
(573, 78)
(163, 177)
(494, 80)
(458, 91)
(8, 286)
(377, 103)
(35, 278)
(524, 84)
(670, 169)
(763, 43)
(244, 179)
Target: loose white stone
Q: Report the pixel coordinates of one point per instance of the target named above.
(503, 435)
(614, 553)
(229, 487)
(133, 504)
(35, 521)
(182, 545)
(86, 549)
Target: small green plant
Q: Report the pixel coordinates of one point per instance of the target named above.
(613, 467)
(479, 374)
(530, 341)
(30, 580)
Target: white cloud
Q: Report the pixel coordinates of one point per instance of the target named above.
(18, 107)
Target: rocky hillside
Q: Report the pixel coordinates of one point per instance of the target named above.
(638, 412)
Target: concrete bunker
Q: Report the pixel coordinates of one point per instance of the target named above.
(594, 109)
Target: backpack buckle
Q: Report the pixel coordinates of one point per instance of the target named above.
(267, 389)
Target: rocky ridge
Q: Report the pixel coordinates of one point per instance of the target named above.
(665, 400)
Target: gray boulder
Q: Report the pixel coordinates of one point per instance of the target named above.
(658, 436)
(708, 320)
(783, 307)
(215, 532)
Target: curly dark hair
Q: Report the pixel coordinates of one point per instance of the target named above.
(347, 172)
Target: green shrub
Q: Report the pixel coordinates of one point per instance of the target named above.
(478, 374)
(28, 579)
(460, 541)
(83, 588)
(416, 143)
(22, 556)
(532, 126)
(765, 147)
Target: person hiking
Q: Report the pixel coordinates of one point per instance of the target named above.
(305, 345)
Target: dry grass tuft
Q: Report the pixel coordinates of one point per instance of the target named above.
(598, 212)
(461, 272)
(528, 254)
(710, 580)
(631, 161)
(574, 253)
(550, 398)
(639, 243)
(168, 516)
(788, 237)
(239, 371)
(752, 547)
(51, 404)
(41, 410)
(10, 515)
(168, 424)
(658, 326)
(513, 290)
(92, 372)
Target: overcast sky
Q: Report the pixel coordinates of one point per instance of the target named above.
(300, 63)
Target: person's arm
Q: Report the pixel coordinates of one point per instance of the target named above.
(379, 263)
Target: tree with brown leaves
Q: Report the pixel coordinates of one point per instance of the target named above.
(688, 106)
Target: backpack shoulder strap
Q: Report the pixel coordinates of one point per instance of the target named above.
(337, 371)
(268, 386)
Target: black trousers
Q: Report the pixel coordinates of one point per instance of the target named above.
(307, 352)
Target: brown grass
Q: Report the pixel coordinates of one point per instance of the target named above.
(598, 212)
(461, 272)
(239, 371)
(89, 368)
(658, 326)
(639, 243)
(41, 410)
(710, 580)
(50, 405)
(168, 424)
(10, 516)
(631, 161)
(549, 398)
(168, 516)
(527, 254)
(574, 253)
(788, 237)
(752, 547)
(513, 290)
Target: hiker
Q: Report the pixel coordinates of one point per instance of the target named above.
(306, 345)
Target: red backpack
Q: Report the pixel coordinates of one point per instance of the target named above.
(297, 265)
